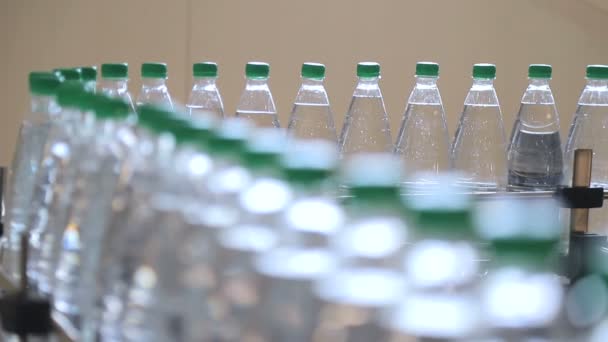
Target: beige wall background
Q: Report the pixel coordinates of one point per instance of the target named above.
(569, 34)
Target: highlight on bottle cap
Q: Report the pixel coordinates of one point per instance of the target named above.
(154, 70)
(73, 74)
(539, 71)
(315, 71)
(429, 69)
(368, 69)
(484, 70)
(43, 83)
(204, 69)
(597, 71)
(89, 73)
(257, 70)
(115, 70)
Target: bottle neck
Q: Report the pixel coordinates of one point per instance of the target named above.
(203, 82)
(482, 84)
(482, 93)
(538, 92)
(599, 84)
(312, 91)
(153, 82)
(425, 92)
(595, 93)
(426, 82)
(368, 87)
(256, 84)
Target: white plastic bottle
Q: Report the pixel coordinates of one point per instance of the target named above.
(205, 97)
(256, 103)
(154, 85)
(115, 82)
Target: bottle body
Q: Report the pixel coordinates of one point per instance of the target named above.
(588, 131)
(479, 148)
(366, 128)
(535, 152)
(311, 116)
(154, 91)
(256, 104)
(118, 88)
(423, 138)
(32, 138)
(205, 97)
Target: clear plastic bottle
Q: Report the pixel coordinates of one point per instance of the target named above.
(32, 138)
(423, 142)
(89, 78)
(521, 296)
(204, 96)
(535, 152)
(479, 150)
(590, 130)
(441, 268)
(366, 127)
(302, 254)
(311, 116)
(154, 85)
(115, 82)
(256, 103)
(369, 249)
(97, 179)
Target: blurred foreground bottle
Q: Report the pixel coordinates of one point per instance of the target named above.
(311, 116)
(115, 82)
(441, 267)
(154, 85)
(423, 142)
(256, 103)
(535, 152)
(479, 147)
(522, 295)
(89, 78)
(589, 130)
(31, 140)
(370, 249)
(204, 96)
(366, 128)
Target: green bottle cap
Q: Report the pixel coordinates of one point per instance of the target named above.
(368, 69)
(70, 94)
(259, 70)
(89, 73)
(115, 70)
(264, 149)
(315, 71)
(73, 74)
(427, 69)
(154, 70)
(539, 71)
(43, 83)
(310, 161)
(484, 70)
(111, 108)
(204, 69)
(230, 139)
(597, 71)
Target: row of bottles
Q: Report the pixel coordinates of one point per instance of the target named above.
(164, 227)
(531, 160)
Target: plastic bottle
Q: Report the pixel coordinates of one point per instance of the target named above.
(153, 87)
(115, 82)
(366, 127)
(256, 103)
(31, 140)
(303, 254)
(423, 142)
(441, 267)
(311, 116)
(96, 180)
(204, 95)
(89, 78)
(479, 147)
(370, 249)
(522, 294)
(589, 130)
(535, 152)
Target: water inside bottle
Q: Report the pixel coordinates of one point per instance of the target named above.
(259, 118)
(366, 127)
(312, 121)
